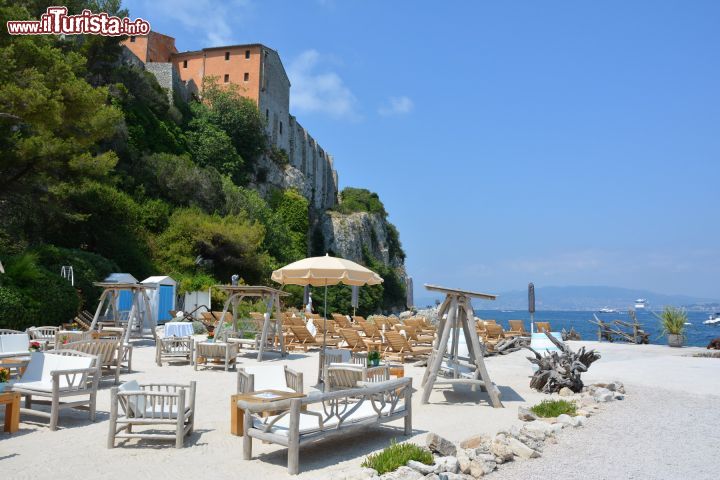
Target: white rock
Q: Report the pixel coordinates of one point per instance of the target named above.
(421, 467)
(465, 456)
(566, 392)
(480, 468)
(557, 427)
(526, 415)
(538, 426)
(454, 476)
(446, 464)
(501, 451)
(441, 445)
(584, 413)
(431, 476)
(521, 450)
(564, 418)
(603, 395)
(578, 421)
(402, 473)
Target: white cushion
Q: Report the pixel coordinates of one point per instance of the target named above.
(135, 402)
(311, 423)
(15, 343)
(38, 374)
(269, 377)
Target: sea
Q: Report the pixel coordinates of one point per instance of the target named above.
(697, 334)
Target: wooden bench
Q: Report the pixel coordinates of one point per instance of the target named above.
(323, 416)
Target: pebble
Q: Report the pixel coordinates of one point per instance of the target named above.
(440, 445)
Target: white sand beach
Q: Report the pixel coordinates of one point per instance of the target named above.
(665, 427)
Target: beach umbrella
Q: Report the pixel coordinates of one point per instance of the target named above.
(531, 305)
(324, 271)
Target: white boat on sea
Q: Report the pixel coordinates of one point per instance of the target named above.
(641, 304)
(713, 319)
(607, 310)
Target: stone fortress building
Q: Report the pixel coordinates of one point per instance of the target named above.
(259, 74)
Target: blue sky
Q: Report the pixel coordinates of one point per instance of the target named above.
(560, 142)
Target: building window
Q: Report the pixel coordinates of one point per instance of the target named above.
(184, 63)
(227, 78)
(247, 54)
(227, 56)
(246, 77)
(280, 128)
(267, 114)
(132, 39)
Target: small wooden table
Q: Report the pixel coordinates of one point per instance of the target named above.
(12, 410)
(398, 371)
(237, 414)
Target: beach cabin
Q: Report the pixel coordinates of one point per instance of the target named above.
(125, 297)
(162, 298)
(194, 301)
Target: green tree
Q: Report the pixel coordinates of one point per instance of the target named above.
(196, 242)
(238, 116)
(211, 146)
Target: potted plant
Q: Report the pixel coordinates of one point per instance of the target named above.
(673, 324)
(4, 378)
(373, 358)
(211, 337)
(35, 346)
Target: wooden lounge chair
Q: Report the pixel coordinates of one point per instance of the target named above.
(400, 349)
(517, 329)
(370, 330)
(343, 322)
(57, 375)
(302, 338)
(412, 335)
(356, 343)
(493, 334)
(134, 405)
(542, 327)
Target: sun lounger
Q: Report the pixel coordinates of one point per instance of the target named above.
(302, 338)
(355, 343)
(517, 328)
(400, 349)
(542, 327)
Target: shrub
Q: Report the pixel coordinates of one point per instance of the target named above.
(673, 320)
(397, 455)
(13, 314)
(553, 408)
(360, 200)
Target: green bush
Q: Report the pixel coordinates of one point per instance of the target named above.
(553, 408)
(396, 456)
(13, 314)
(360, 200)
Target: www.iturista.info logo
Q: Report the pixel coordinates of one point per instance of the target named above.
(56, 21)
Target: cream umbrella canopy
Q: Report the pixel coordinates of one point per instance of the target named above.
(324, 271)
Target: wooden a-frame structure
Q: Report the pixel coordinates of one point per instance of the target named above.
(138, 319)
(456, 314)
(272, 326)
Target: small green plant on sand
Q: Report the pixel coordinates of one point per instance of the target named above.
(553, 408)
(397, 455)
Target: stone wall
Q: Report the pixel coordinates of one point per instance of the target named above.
(274, 98)
(167, 76)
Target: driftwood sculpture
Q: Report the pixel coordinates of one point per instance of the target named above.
(557, 370)
(571, 335)
(509, 345)
(714, 344)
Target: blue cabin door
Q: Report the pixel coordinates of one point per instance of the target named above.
(125, 301)
(165, 302)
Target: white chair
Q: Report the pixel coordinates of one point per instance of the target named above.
(143, 405)
(56, 375)
(269, 377)
(43, 335)
(14, 343)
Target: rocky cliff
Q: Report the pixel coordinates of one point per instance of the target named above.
(347, 235)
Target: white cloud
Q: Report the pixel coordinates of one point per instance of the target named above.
(218, 21)
(397, 106)
(315, 91)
